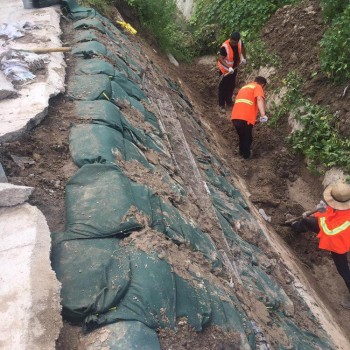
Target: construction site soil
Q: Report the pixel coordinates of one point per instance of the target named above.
(277, 180)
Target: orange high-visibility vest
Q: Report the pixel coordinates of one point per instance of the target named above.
(246, 107)
(334, 232)
(229, 59)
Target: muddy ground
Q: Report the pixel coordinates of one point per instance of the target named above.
(278, 180)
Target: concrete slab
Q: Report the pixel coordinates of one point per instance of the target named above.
(29, 292)
(11, 195)
(30, 107)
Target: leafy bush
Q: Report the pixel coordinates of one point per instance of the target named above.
(335, 48)
(318, 139)
(332, 8)
(230, 15)
(99, 5)
(162, 19)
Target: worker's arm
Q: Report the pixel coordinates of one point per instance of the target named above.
(261, 105)
(306, 225)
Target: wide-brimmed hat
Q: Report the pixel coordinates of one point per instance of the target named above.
(337, 196)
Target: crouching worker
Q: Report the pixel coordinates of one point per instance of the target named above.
(333, 228)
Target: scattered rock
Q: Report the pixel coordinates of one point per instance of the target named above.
(11, 195)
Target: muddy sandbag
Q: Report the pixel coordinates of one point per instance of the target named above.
(149, 116)
(230, 207)
(106, 113)
(93, 143)
(93, 66)
(102, 201)
(120, 336)
(84, 36)
(89, 49)
(222, 184)
(75, 11)
(95, 275)
(131, 88)
(89, 88)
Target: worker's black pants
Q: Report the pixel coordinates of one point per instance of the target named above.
(341, 263)
(340, 260)
(245, 135)
(226, 87)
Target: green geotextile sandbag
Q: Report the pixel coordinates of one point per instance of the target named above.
(261, 284)
(122, 335)
(299, 339)
(149, 116)
(230, 208)
(96, 24)
(84, 36)
(94, 66)
(131, 88)
(101, 201)
(75, 11)
(93, 143)
(104, 281)
(221, 183)
(90, 88)
(106, 113)
(89, 48)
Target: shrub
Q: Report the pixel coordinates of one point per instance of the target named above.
(335, 48)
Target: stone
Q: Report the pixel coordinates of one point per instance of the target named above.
(11, 195)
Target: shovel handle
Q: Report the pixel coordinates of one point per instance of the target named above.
(307, 213)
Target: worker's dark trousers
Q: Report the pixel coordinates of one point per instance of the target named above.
(226, 88)
(245, 135)
(340, 260)
(341, 263)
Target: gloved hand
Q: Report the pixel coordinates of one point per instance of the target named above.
(321, 207)
(230, 70)
(263, 119)
(243, 61)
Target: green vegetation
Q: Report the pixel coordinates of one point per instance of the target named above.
(161, 18)
(99, 5)
(318, 138)
(332, 8)
(335, 45)
(213, 21)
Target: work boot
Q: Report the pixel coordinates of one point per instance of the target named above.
(345, 303)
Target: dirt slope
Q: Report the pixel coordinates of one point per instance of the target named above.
(277, 179)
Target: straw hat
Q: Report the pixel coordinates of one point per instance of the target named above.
(337, 196)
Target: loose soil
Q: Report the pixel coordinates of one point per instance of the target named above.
(277, 180)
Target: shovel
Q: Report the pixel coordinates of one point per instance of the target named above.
(306, 214)
(222, 76)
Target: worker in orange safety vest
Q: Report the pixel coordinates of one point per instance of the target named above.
(333, 228)
(232, 54)
(249, 101)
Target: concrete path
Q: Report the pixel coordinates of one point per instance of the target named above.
(30, 310)
(17, 115)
